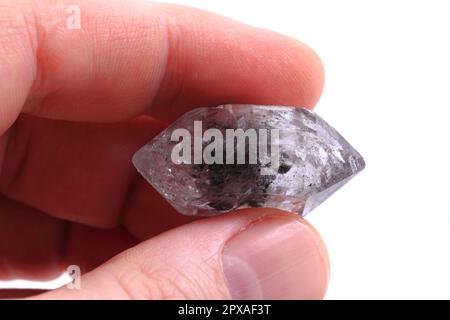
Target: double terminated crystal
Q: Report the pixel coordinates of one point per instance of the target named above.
(314, 161)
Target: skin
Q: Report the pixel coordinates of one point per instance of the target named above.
(76, 104)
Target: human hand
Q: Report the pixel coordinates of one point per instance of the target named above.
(77, 103)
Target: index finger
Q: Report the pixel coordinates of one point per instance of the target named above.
(133, 57)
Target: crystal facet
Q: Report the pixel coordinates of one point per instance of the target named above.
(314, 161)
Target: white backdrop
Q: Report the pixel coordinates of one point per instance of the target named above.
(387, 90)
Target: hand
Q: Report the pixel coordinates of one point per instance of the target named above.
(77, 103)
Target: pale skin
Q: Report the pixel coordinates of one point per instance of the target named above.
(77, 103)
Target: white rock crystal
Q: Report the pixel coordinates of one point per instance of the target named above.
(314, 160)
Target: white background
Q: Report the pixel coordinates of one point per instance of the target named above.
(387, 91)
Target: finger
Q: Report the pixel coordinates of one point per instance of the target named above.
(78, 172)
(34, 246)
(45, 155)
(258, 254)
(134, 57)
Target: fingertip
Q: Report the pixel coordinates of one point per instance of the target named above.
(277, 256)
(322, 250)
(215, 60)
(311, 71)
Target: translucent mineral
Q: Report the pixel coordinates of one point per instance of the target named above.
(204, 165)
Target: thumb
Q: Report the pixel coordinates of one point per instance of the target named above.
(249, 254)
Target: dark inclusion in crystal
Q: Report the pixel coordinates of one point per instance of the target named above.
(315, 161)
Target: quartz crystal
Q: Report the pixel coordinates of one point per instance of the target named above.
(314, 161)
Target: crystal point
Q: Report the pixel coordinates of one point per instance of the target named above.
(314, 161)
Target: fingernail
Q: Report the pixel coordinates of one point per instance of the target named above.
(280, 257)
